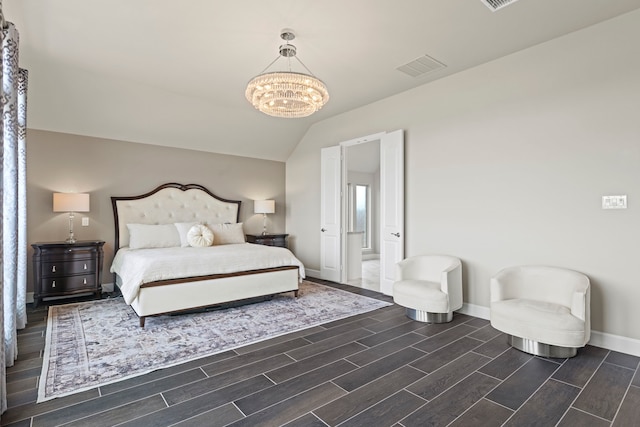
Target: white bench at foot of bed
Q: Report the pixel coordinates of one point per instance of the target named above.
(175, 296)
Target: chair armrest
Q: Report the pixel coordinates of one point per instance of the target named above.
(579, 304)
(451, 284)
(450, 277)
(496, 290)
(401, 270)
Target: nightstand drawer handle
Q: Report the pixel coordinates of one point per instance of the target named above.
(84, 281)
(53, 269)
(85, 266)
(53, 285)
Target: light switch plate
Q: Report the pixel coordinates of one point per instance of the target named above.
(614, 202)
(85, 221)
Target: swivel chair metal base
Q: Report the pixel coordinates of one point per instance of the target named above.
(427, 317)
(540, 349)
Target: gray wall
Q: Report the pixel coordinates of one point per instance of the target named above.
(58, 162)
(506, 164)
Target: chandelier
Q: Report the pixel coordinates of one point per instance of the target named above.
(286, 93)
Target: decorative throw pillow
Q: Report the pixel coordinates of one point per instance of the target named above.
(199, 236)
(183, 228)
(227, 233)
(143, 236)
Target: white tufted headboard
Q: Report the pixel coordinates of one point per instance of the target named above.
(171, 203)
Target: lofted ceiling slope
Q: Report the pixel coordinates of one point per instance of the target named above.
(173, 73)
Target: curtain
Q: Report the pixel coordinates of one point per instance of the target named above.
(13, 255)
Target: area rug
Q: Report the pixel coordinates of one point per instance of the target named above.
(92, 344)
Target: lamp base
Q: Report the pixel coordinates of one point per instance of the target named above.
(264, 224)
(71, 238)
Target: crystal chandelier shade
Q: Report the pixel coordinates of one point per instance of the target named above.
(287, 94)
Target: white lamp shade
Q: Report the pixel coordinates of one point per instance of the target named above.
(71, 202)
(264, 206)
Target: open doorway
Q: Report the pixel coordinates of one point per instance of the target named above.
(334, 260)
(363, 215)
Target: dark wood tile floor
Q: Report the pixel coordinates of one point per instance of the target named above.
(375, 369)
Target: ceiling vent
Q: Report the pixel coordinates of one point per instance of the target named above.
(421, 66)
(497, 4)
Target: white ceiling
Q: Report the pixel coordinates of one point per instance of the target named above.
(173, 73)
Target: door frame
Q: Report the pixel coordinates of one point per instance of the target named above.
(343, 205)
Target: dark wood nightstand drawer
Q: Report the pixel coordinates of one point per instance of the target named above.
(276, 241)
(69, 284)
(67, 253)
(279, 240)
(59, 268)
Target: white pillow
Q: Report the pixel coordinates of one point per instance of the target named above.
(153, 236)
(199, 236)
(183, 228)
(227, 233)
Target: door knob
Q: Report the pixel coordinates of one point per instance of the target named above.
(395, 234)
(323, 229)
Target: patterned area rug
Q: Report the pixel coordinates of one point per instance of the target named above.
(95, 343)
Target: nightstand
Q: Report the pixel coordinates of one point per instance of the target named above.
(268, 239)
(65, 269)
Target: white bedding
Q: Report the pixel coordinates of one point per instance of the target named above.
(138, 266)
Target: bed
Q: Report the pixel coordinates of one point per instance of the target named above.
(158, 274)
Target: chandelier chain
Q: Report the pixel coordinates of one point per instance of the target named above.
(269, 66)
(305, 67)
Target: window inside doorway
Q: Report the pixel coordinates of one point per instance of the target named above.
(360, 212)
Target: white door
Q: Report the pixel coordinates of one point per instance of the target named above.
(331, 214)
(392, 207)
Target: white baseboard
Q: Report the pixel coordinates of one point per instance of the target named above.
(312, 273)
(598, 339)
(475, 311)
(615, 343)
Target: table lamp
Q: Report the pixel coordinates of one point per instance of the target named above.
(72, 203)
(264, 207)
